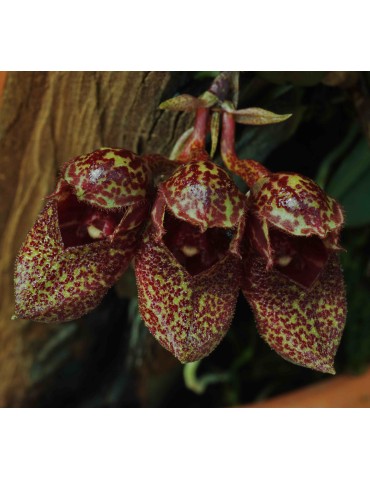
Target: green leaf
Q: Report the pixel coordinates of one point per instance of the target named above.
(356, 202)
(350, 171)
(199, 385)
(356, 340)
(334, 156)
(205, 75)
(350, 185)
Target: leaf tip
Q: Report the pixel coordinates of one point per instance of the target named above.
(286, 116)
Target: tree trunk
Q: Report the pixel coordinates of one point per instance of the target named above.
(45, 119)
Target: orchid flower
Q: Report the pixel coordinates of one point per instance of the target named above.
(292, 276)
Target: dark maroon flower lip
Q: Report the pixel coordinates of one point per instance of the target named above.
(196, 251)
(81, 224)
(298, 258)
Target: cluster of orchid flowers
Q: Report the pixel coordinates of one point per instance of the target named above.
(195, 241)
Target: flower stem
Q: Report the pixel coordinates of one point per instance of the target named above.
(249, 170)
(197, 139)
(199, 384)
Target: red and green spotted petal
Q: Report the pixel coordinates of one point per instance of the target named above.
(188, 314)
(108, 178)
(303, 326)
(63, 269)
(295, 204)
(202, 194)
(259, 238)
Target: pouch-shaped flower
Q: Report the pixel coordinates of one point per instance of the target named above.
(84, 238)
(293, 278)
(188, 268)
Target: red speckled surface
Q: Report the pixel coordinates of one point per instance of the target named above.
(303, 326)
(188, 314)
(296, 205)
(55, 283)
(188, 268)
(108, 177)
(202, 194)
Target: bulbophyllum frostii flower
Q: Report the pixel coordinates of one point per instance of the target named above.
(84, 238)
(195, 240)
(188, 267)
(292, 276)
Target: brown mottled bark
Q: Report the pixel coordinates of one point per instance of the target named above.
(45, 119)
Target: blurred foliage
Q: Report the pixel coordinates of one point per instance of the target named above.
(303, 79)
(355, 349)
(323, 140)
(350, 184)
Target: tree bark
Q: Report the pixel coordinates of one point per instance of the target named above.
(46, 119)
